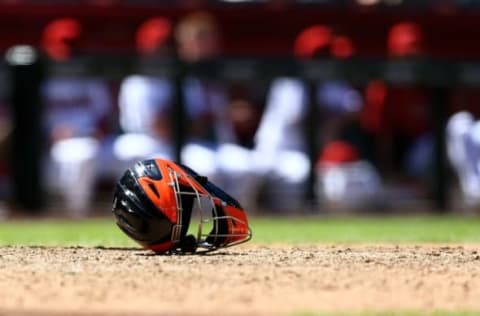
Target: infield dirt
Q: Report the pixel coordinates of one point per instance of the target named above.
(247, 280)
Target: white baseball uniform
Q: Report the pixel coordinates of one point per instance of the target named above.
(142, 100)
(463, 144)
(77, 106)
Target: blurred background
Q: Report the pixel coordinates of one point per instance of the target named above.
(293, 107)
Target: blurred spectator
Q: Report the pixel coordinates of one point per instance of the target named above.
(280, 141)
(76, 109)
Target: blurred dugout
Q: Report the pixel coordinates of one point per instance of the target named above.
(221, 119)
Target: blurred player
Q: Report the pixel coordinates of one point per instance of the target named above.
(145, 103)
(280, 141)
(222, 117)
(407, 106)
(463, 150)
(397, 117)
(77, 107)
(198, 40)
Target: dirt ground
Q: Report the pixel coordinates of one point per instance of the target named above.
(247, 280)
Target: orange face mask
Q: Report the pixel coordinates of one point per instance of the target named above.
(167, 207)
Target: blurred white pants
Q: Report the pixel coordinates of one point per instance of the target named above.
(72, 172)
(350, 185)
(202, 158)
(121, 152)
(228, 165)
(78, 162)
(236, 174)
(284, 174)
(241, 172)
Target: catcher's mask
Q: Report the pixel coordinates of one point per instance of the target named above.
(157, 202)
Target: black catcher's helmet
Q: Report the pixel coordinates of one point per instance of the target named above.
(154, 203)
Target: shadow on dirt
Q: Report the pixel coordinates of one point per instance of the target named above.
(116, 248)
(196, 254)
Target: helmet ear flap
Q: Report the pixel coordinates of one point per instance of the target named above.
(136, 215)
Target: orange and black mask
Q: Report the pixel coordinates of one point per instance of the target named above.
(167, 207)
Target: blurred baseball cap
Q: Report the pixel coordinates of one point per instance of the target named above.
(337, 152)
(405, 39)
(313, 41)
(318, 40)
(60, 38)
(342, 47)
(153, 35)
